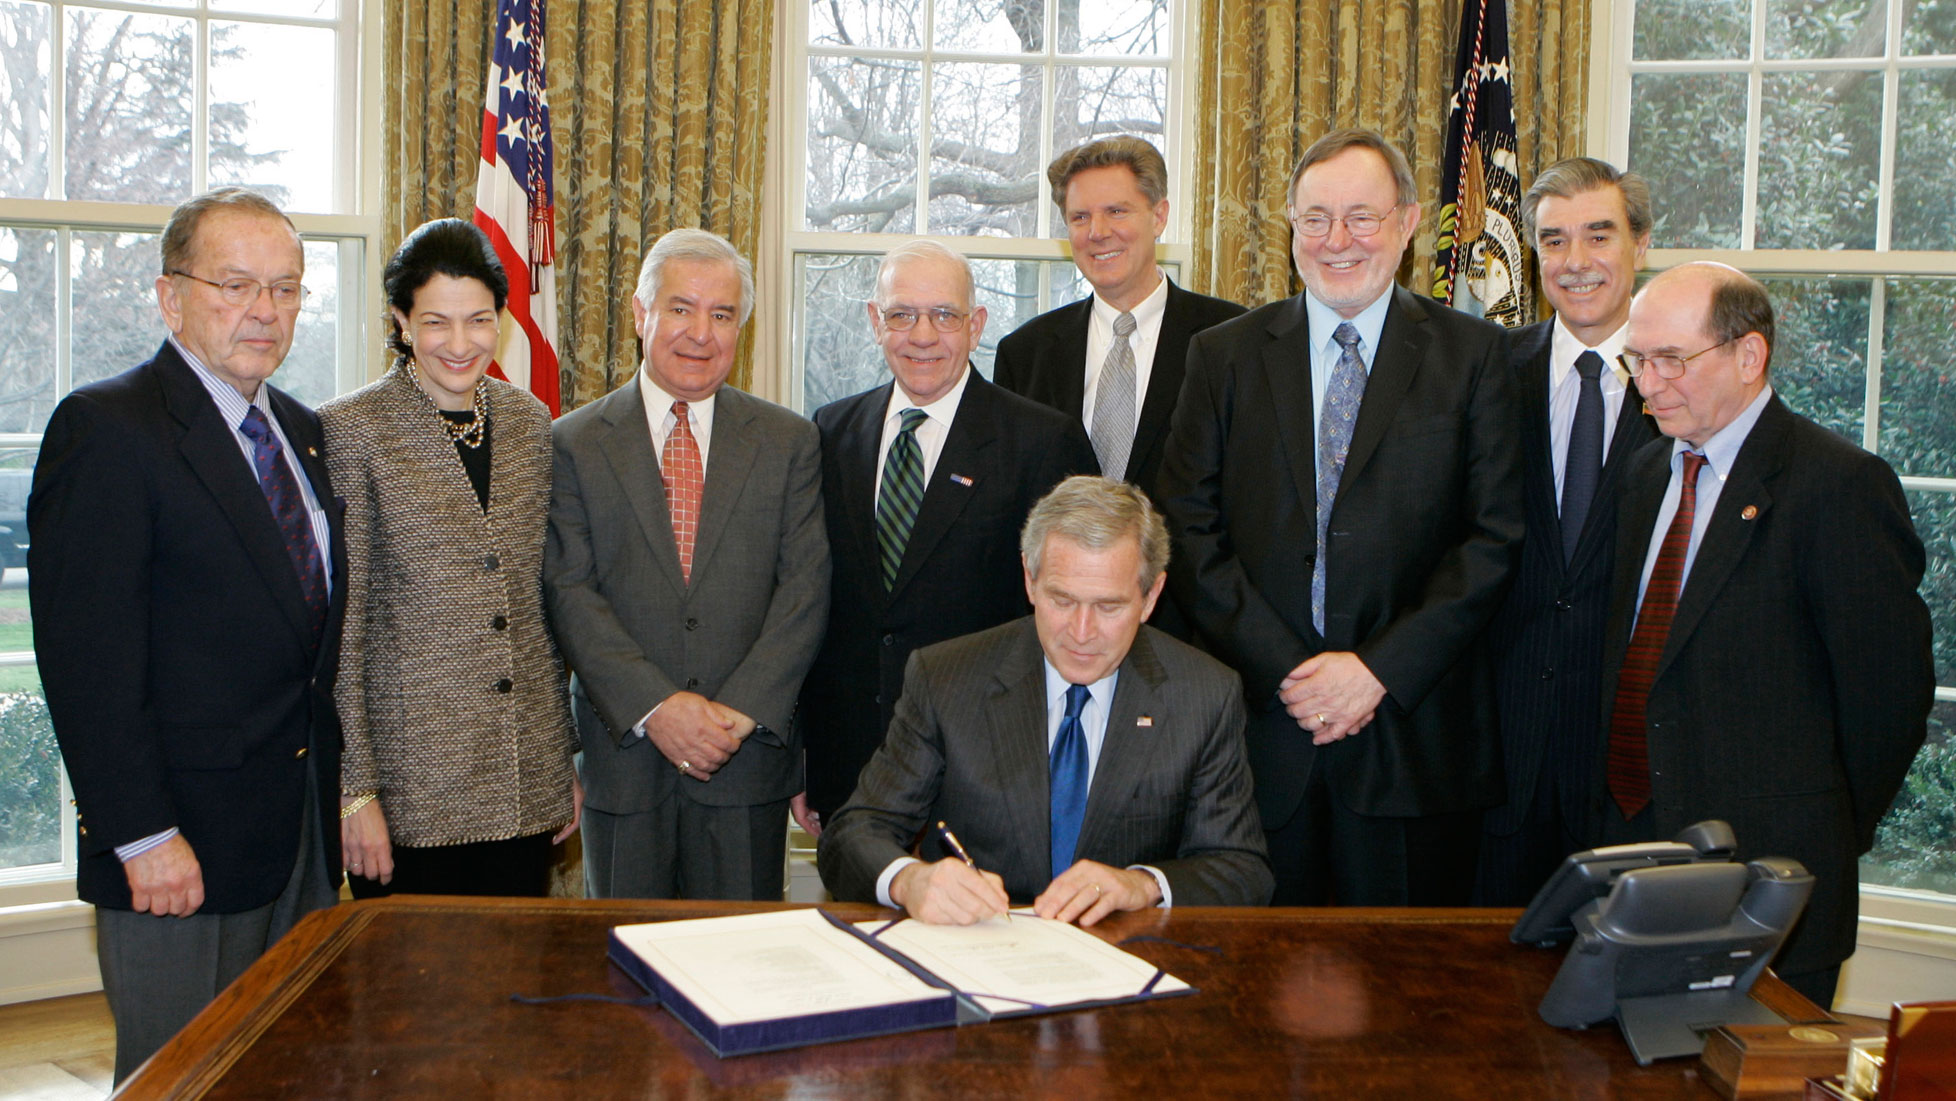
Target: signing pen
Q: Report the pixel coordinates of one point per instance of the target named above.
(951, 842)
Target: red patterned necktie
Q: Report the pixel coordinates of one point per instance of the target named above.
(685, 476)
(1629, 754)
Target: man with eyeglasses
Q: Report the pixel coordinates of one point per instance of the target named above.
(186, 578)
(1342, 482)
(926, 480)
(1590, 225)
(1767, 654)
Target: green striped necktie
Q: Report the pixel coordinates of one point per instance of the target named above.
(902, 494)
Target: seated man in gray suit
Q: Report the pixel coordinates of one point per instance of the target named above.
(1085, 762)
(687, 576)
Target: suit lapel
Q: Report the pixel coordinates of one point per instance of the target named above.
(1287, 371)
(212, 452)
(858, 443)
(628, 448)
(1164, 377)
(1127, 751)
(1633, 430)
(964, 464)
(1069, 357)
(1730, 531)
(1537, 442)
(729, 463)
(1015, 714)
(1402, 348)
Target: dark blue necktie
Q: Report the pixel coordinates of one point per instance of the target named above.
(289, 510)
(1583, 464)
(1068, 765)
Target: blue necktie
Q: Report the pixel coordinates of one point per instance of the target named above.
(289, 511)
(1341, 401)
(1582, 464)
(1068, 765)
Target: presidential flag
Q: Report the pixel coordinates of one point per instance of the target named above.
(1479, 264)
(512, 200)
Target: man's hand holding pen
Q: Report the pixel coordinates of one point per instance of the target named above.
(949, 892)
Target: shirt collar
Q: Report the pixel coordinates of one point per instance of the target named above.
(1565, 346)
(660, 403)
(1101, 690)
(943, 410)
(1722, 450)
(1324, 322)
(1144, 311)
(230, 404)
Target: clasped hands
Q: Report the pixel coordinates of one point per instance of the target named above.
(951, 892)
(1331, 696)
(696, 734)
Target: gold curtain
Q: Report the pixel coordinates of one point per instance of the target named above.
(659, 112)
(1273, 75)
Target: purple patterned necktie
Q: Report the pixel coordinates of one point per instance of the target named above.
(1341, 401)
(289, 511)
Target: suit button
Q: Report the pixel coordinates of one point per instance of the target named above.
(81, 829)
(500, 623)
(879, 701)
(505, 684)
(1563, 605)
(1548, 674)
(889, 640)
(692, 682)
(301, 755)
(489, 562)
(692, 624)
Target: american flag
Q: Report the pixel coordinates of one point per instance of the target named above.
(512, 199)
(1479, 264)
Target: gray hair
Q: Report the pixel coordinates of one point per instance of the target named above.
(699, 245)
(1565, 179)
(180, 232)
(1338, 141)
(923, 250)
(1134, 154)
(1096, 513)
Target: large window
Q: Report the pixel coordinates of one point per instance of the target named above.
(938, 117)
(1808, 141)
(111, 114)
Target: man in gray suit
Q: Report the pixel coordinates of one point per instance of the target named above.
(1085, 762)
(687, 578)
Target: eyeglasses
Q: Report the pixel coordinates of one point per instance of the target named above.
(945, 319)
(286, 294)
(1359, 223)
(1665, 366)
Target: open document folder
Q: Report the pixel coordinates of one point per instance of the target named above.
(758, 982)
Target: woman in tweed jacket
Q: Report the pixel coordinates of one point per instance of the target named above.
(457, 769)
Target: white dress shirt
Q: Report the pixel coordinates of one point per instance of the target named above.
(1720, 452)
(1565, 386)
(1100, 337)
(930, 434)
(659, 419)
(1324, 322)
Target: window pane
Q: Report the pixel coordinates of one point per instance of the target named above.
(271, 119)
(1915, 846)
(1096, 102)
(990, 26)
(112, 289)
(1826, 28)
(878, 24)
(1682, 30)
(1818, 155)
(1929, 28)
(985, 126)
(24, 46)
(1687, 137)
(30, 763)
(1935, 522)
(1918, 378)
(862, 145)
(27, 274)
(839, 355)
(298, 9)
(1925, 132)
(1822, 333)
(311, 369)
(128, 108)
(16, 620)
(1115, 27)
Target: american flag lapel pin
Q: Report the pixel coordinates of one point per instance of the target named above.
(961, 480)
(1145, 720)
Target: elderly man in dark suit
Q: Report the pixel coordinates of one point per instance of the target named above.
(687, 576)
(1113, 360)
(185, 575)
(1085, 761)
(1344, 488)
(1579, 425)
(925, 481)
(1767, 652)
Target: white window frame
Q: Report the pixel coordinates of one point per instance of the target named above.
(1904, 934)
(26, 891)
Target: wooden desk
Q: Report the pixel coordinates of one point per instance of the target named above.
(409, 997)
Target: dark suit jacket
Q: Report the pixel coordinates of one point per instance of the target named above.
(1547, 639)
(742, 632)
(969, 747)
(1045, 359)
(960, 570)
(1794, 687)
(1423, 540)
(182, 673)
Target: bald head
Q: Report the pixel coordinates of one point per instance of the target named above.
(1714, 321)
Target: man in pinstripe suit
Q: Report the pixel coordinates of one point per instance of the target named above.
(981, 742)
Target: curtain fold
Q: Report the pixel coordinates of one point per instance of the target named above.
(659, 112)
(1273, 75)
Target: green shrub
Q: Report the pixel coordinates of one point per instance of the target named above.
(30, 782)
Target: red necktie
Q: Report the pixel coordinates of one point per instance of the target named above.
(1629, 755)
(685, 476)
